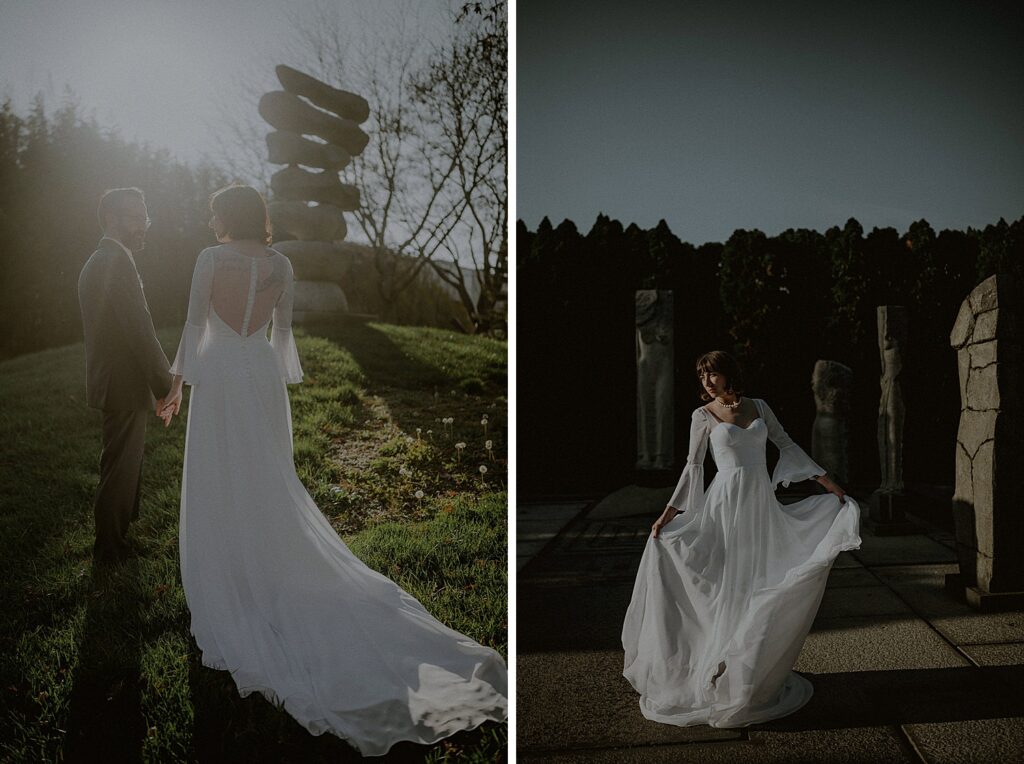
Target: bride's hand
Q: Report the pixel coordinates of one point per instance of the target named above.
(831, 487)
(663, 520)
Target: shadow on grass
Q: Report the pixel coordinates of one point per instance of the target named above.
(105, 721)
(392, 373)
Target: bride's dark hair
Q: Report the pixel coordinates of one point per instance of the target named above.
(722, 363)
(243, 211)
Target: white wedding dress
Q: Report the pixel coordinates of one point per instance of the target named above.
(726, 594)
(275, 596)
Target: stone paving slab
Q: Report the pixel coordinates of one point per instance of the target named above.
(875, 643)
(861, 601)
(907, 696)
(633, 500)
(1011, 654)
(538, 524)
(580, 699)
(573, 618)
(922, 586)
(846, 560)
(999, 741)
(881, 745)
(840, 578)
(902, 550)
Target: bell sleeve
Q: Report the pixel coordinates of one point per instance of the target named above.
(186, 361)
(794, 464)
(689, 493)
(281, 339)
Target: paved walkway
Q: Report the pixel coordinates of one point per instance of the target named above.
(902, 672)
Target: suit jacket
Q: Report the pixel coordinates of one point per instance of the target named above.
(125, 367)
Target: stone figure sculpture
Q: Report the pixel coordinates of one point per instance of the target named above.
(989, 339)
(892, 340)
(831, 382)
(888, 503)
(655, 362)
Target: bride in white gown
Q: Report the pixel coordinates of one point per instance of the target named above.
(730, 579)
(275, 596)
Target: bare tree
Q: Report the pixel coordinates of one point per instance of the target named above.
(432, 181)
(465, 88)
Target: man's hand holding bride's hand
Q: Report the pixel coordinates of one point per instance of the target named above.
(169, 406)
(664, 519)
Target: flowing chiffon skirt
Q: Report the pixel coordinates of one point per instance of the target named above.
(279, 600)
(725, 597)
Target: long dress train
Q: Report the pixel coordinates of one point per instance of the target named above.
(726, 594)
(275, 596)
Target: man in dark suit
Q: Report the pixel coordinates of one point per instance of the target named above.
(127, 372)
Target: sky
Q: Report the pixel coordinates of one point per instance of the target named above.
(163, 71)
(722, 115)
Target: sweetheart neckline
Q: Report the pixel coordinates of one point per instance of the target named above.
(752, 421)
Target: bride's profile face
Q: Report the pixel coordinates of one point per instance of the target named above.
(219, 230)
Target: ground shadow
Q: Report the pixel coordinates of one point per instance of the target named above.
(910, 696)
(105, 720)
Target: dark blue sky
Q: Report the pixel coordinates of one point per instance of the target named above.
(723, 115)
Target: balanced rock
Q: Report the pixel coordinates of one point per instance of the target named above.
(318, 260)
(318, 299)
(286, 111)
(292, 148)
(321, 223)
(296, 184)
(341, 102)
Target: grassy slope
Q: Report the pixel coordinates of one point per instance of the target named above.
(102, 663)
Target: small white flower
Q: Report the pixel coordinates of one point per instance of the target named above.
(484, 418)
(488, 444)
(419, 494)
(429, 433)
(460, 446)
(484, 421)
(483, 469)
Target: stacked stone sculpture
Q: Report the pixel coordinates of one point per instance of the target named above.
(320, 258)
(989, 339)
(831, 383)
(655, 408)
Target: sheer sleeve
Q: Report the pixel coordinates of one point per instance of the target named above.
(689, 493)
(186, 361)
(281, 339)
(794, 463)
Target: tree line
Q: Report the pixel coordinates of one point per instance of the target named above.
(53, 168)
(779, 303)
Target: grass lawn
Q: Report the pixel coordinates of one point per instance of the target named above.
(99, 664)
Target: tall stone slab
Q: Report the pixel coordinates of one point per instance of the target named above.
(655, 375)
(831, 382)
(988, 503)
